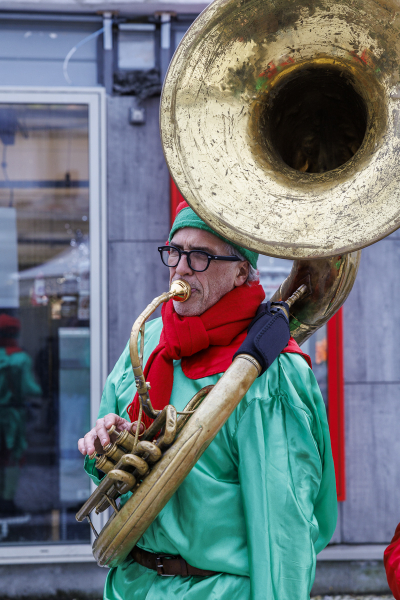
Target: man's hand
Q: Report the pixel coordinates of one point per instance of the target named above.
(98, 437)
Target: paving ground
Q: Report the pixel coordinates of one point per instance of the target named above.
(346, 597)
(66, 596)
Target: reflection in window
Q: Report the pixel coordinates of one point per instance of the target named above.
(273, 271)
(44, 321)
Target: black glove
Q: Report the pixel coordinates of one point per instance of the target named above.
(267, 335)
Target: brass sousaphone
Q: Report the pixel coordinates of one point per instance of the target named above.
(280, 126)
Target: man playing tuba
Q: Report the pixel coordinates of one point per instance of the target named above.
(248, 520)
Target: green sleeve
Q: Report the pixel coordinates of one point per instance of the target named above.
(108, 404)
(29, 385)
(280, 471)
(95, 475)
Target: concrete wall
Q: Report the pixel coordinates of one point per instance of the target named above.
(48, 580)
(86, 580)
(350, 577)
(138, 217)
(372, 396)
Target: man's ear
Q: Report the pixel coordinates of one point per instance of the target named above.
(242, 273)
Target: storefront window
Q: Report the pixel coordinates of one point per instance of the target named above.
(44, 320)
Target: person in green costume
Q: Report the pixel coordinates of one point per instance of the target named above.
(260, 503)
(17, 383)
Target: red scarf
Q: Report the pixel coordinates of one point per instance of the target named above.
(206, 344)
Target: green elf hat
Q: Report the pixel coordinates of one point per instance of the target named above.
(186, 217)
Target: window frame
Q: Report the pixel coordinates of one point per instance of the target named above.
(95, 100)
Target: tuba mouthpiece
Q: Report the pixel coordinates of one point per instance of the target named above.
(180, 290)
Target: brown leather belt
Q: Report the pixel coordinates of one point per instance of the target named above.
(166, 565)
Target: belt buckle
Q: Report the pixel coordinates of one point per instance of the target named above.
(160, 565)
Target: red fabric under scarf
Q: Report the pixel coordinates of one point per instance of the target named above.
(9, 329)
(10, 345)
(206, 344)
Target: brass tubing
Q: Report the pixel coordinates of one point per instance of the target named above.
(154, 428)
(251, 360)
(102, 506)
(299, 293)
(149, 450)
(113, 452)
(103, 464)
(126, 440)
(90, 504)
(112, 430)
(192, 405)
(122, 438)
(169, 433)
(179, 290)
(328, 281)
(141, 384)
(123, 477)
(136, 462)
(96, 535)
(104, 502)
(142, 330)
(122, 488)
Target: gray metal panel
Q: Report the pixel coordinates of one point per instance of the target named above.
(394, 236)
(371, 511)
(136, 276)
(372, 317)
(372, 397)
(138, 217)
(337, 536)
(138, 178)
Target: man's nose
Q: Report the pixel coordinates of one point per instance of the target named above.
(183, 267)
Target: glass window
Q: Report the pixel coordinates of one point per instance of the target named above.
(44, 320)
(179, 26)
(32, 52)
(178, 37)
(136, 46)
(273, 271)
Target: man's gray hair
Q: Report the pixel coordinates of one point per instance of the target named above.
(253, 273)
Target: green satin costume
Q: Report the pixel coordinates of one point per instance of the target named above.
(257, 506)
(16, 384)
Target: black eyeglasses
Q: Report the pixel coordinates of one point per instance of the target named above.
(198, 260)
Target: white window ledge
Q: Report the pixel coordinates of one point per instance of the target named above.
(83, 553)
(353, 552)
(19, 555)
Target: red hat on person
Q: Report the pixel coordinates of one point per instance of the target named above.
(8, 322)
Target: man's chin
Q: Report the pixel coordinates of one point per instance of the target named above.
(188, 308)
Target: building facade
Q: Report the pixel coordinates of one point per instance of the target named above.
(85, 199)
